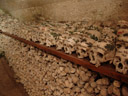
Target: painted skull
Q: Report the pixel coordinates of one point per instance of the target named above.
(108, 34)
(93, 34)
(122, 35)
(121, 59)
(123, 24)
(50, 40)
(83, 47)
(101, 52)
(69, 45)
(60, 42)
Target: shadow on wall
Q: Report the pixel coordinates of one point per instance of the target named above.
(67, 10)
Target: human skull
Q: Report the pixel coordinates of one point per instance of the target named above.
(83, 47)
(93, 34)
(69, 45)
(121, 59)
(60, 42)
(33, 38)
(50, 40)
(122, 35)
(107, 23)
(101, 52)
(123, 24)
(119, 44)
(108, 34)
(42, 38)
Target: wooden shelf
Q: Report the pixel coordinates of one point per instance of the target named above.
(106, 69)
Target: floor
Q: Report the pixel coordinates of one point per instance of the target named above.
(8, 86)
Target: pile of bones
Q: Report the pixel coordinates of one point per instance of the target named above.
(45, 75)
(101, 43)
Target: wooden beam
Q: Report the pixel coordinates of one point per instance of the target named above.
(106, 69)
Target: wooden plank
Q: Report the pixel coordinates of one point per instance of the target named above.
(107, 69)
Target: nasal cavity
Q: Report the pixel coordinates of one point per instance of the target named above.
(120, 66)
(100, 55)
(126, 61)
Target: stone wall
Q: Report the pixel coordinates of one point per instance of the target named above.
(67, 9)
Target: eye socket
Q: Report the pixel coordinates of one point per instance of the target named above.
(125, 34)
(118, 58)
(83, 51)
(100, 55)
(92, 52)
(126, 61)
(120, 66)
(118, 45)
(126, 47)
(37, 41)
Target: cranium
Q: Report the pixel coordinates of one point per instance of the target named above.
(34, 38)
(60, 41)
(122, 35)
(119, 44)
(93, 34)
(83, 47)
(123, 24)
(69, 44)
(50, 39)
(42, 38)
(121, 59)
(108, 34)
(107, 23)
(101, 52)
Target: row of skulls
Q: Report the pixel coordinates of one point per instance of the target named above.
(110, 45)
(121, 56)
(114, 48)
(101, 45)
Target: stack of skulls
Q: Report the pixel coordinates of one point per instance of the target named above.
(45, 75)
(103, 49)
(89, 35)
(121, 56)
(97, 40)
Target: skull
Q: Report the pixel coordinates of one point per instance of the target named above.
(123, 24)
(69, 44)
(122, 35)
(108, 34)
(107, 23)
(34, 38)
(60, 42)
(50, 40)
(121, 59)
(42, 39)
(101, 52)
(83, 47)
(119, 44)
(93, 34)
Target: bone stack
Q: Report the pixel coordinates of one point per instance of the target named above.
(103, 50)
(90, 35)
(45, 75)
(121, 57)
